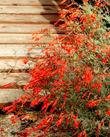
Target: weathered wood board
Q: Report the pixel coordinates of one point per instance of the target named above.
(23, 38)
(29, 2)
(27, 10)
(18, 50)
(15, 64)
(9, 95)
(25, 28)
(28, 19)
(19, 78)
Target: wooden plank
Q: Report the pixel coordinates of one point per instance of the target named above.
(16, 50)
(23, 38)
(15, 38)
(14, 64)
(35, 19)
(28, 10)
(26, 28)
(19, 78)
(9, 95)
(28, 2)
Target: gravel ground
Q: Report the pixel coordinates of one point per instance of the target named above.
(7, 129)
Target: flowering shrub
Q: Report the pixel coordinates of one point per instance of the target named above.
(71, 77)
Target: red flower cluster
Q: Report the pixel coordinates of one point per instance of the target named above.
(88, 76)
(108, 113)
(97, 86)
(69, 77)
(92, 103)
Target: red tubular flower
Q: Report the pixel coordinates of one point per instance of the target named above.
(59, 122)
(37, 90)
(10, 108)
(97, 113)
(13, 119)
(85, 0)
(108, 113)
(35, 102)
(93, 17)
(46, 121)
(75, 14)
(9, 85)
(67, 121)
(104, 60)
(25, 60)
(92, 103)
(83, 28)
(107, 98)
(77, 88)
(83, 134)
(97, 4)
(88, 76)
(54, 105)
(74, 117)
(83, 19)
(76, 124)
(97, 86)
(63, 26)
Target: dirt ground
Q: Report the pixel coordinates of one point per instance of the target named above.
(9, 129)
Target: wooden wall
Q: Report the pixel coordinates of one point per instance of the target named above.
(18, 19)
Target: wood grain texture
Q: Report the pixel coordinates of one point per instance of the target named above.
(14, 64)
(16, 38)
(27, 19)
(19, 78)
(9, 95)
(26, 28)
(16, 50)
(29, 2)
(27, 10)
(23, 38)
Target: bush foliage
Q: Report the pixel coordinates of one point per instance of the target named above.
(72, 77)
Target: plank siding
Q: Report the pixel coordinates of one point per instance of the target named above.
(19, 78)
(29, 2)
(18, 50)
(26, 28)
(27, 19)
(27, 10)
(23, 38)
(18, 19)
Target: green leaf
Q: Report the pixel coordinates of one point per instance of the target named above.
(75, 56)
